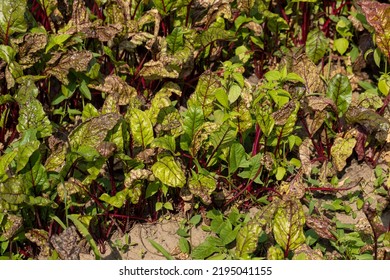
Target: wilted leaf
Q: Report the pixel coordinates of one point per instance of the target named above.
(375, 222)
(305, 68)
(288, 224)
(322, 226)
(305, 151)
(41, 238)
(340, 91)
(169, 172)
(141, 127)
(316, 45)
(341, 150)
(202, 186)
(93, 131)
(319, 103)
(378, 16)
(304, 252)
(60, 65)
(156, 70)
(282, 115)
(138, 174)
(247, 239)
(370, 121)
(29, 48)
(115, 85)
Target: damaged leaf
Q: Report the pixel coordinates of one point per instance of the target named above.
(169, 172)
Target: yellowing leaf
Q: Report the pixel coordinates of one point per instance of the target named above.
(169, 172)
(288, 224)
(341, 150)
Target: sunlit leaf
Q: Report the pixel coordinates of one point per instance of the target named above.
(61, 63)
(288, 224)
(378, 16)
(169, 172)
(141, 127)
(205, 91)
(341, 150)
(247, 239)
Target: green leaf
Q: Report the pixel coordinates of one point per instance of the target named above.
(341, 45)
(237, 157)
(340, 91)
(175, 39)
(161, 249)
(5, 161)
(141, 127)
(280, 172)
(223, 137)
(204, 95)
(288, 224)
(12, 18)
(184, 245)
(118, 200)
(89, 111)
(247, 239)
(34, 174)
(316, 45)
(166, 142)
(206, 249)
(169, 172)
(195, 220)
(31, 113)
(85, 90)
(234, 93)
(152, 189)
(192, 120)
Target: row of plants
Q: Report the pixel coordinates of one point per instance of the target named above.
(114, 111)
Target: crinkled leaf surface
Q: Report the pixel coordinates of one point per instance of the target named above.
(31, 114)
(341, 150)
(202, 186)
(61, 64)
(93, 131)
(378, 16)
(169, 172)
(204, 95)
(288, 224)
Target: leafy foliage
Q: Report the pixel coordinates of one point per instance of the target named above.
(112, 111)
